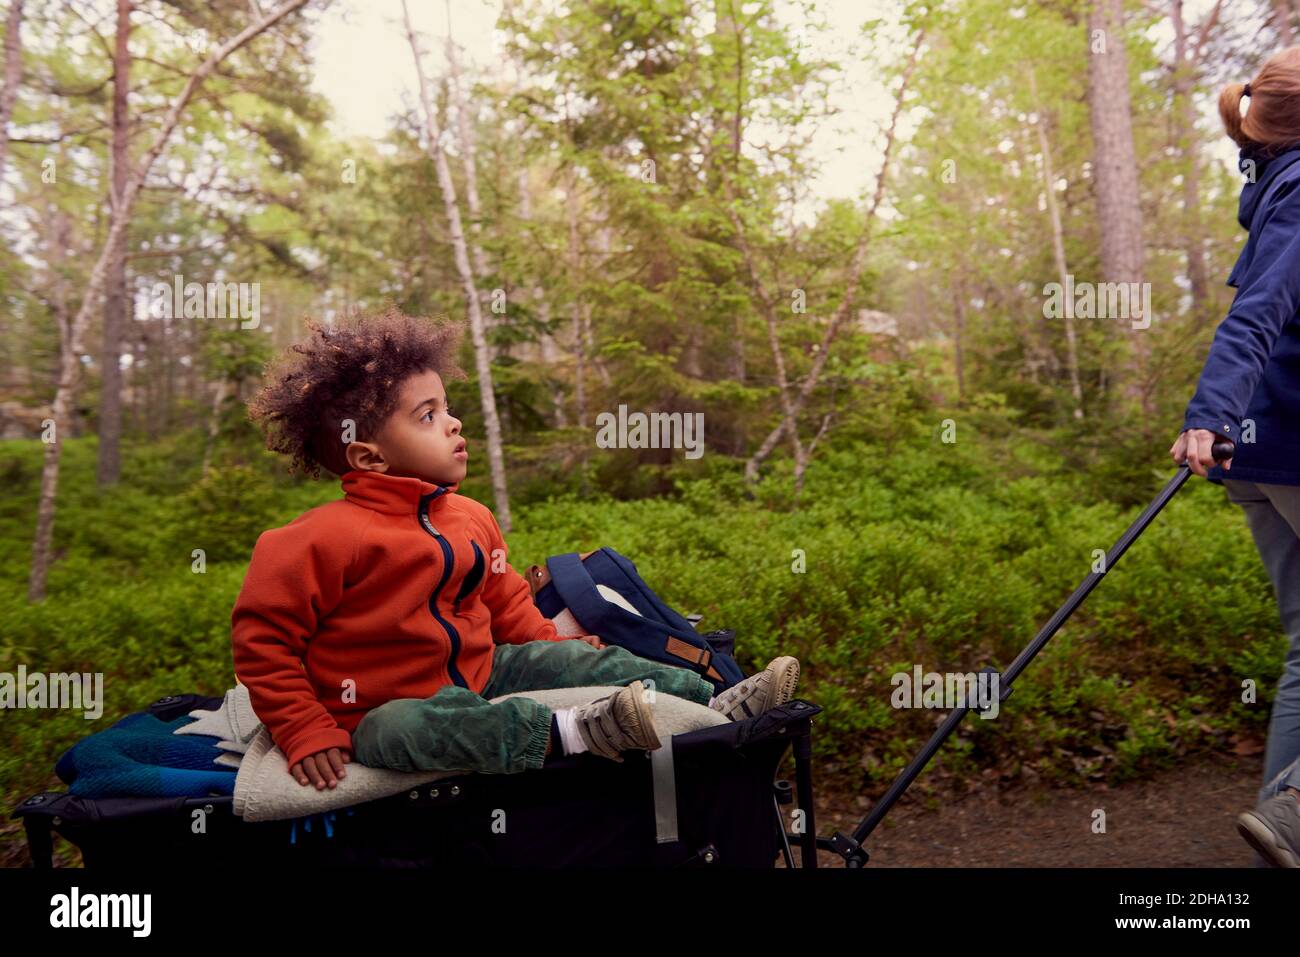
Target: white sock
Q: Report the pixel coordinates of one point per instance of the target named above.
(570, 739)
(711, 700)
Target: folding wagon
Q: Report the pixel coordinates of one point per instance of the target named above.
(707, 798)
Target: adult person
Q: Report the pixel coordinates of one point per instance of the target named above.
(1249, 393)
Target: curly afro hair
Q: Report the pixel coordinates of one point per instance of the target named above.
(351, 370)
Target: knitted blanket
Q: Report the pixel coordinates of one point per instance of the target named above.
(142, 756)
(195, 755)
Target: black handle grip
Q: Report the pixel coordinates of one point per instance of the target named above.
(1222, 450)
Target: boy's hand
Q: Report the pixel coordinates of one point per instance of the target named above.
(591, 640)
(323, 767)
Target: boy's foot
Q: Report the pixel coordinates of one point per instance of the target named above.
(1273, 829)
(618, 722)
(770, 688)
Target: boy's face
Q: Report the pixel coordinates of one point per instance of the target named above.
(420, 439)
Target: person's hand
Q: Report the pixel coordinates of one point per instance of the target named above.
(592, 640)
(323, 767)
(1194, 447)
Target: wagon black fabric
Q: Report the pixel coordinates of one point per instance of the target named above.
(723, 809)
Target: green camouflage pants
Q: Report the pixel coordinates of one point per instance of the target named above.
(456, 729)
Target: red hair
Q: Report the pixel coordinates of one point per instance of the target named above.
(1272, 123)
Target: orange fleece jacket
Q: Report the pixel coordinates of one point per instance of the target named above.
(397, 589)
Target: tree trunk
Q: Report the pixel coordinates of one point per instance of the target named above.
(468, 150)
(1058, 252)
(115, 299)
(1282, 13)
(550, 350)
(214, 421)
(1119, 214)
(1185, 110)
(166, 347)
(469, 163)
(605, 245)
(550, 355)
(691, 364)
(43, 541)
(727, 24)
(482, 361)
(191, 337)
(959, 342)
(13, 75)
(575, 305)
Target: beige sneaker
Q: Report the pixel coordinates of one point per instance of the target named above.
(770, 688)
(623, 721)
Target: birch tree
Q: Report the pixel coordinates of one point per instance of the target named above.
(1058, 247)
(1186, 71)
(460, 249)
(115, 300)
(468, 148)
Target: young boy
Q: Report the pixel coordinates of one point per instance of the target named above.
(375, 627)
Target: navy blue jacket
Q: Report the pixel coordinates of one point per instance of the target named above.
(1253, 370)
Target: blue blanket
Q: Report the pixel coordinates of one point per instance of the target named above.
(142, 756)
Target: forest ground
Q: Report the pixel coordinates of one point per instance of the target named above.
(1180, 817)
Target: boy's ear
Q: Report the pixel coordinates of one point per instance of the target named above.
(365, 457)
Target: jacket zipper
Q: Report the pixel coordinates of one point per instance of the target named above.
(448, 563)
(472, 579)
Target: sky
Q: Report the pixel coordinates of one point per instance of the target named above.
(366, 71)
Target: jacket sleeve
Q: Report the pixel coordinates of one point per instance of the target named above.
(294, 580)
(515, 616)
(1268, 295)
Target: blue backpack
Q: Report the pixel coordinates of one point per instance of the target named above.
(576, 581)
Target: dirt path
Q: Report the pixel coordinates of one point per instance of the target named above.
(1181, 818)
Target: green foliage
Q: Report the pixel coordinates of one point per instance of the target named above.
(222, 513)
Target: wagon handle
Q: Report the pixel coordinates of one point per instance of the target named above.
(850, 846)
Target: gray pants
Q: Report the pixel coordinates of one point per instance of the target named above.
(1273, 513)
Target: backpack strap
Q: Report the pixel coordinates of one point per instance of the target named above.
(692, 655)
(576, 589)
(539, 576)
